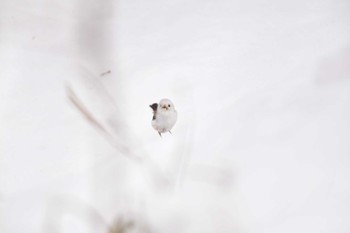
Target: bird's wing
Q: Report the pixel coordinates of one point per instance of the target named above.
(154, 108)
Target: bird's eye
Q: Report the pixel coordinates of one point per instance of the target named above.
(169, 105)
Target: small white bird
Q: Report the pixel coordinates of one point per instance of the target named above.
(164, 116)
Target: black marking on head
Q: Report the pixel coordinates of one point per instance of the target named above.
(154, 107)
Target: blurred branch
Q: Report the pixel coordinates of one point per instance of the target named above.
(83, 110)
(94, 122)
(59, 207)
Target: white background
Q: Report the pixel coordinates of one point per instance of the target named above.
(262, 90)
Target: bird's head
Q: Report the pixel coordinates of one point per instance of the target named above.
(166, 105)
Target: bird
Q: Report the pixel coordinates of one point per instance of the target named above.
(164, 116)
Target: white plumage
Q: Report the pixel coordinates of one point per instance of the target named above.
(164, 116)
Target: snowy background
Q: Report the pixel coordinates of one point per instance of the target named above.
(262, 90)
